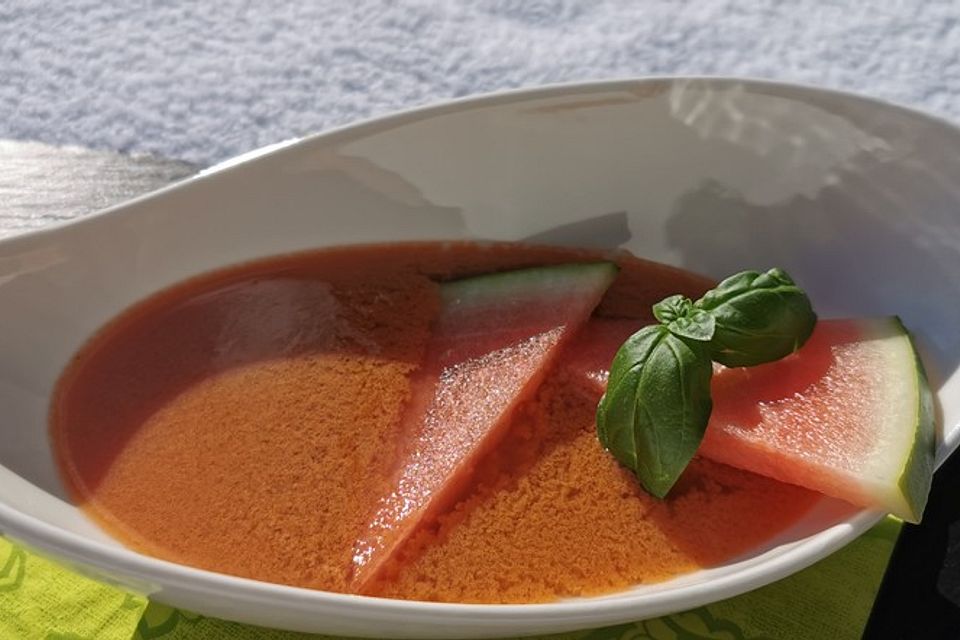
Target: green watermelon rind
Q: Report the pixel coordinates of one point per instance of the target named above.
(531, 281)
(917, 472)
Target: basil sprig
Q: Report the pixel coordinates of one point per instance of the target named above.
(657, 405)
(759, 317)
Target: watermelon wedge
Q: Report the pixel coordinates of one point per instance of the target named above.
(849, 415)
(492, 342)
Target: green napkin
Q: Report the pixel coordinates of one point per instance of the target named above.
(42, 599)
(831, 599)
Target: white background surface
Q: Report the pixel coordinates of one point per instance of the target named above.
(204, 81)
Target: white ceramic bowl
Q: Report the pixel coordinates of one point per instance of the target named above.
(858, 199)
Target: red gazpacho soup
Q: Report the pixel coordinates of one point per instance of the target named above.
(249, 421)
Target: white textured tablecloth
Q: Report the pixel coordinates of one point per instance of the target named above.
(202, 81)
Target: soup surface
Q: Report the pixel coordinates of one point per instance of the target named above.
(245, 422)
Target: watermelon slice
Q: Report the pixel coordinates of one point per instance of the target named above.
(849, 415)
(491, 345)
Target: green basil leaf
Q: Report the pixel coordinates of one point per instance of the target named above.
(683, 319)
(672, 308)
(624, 373)
(657, 405)
(759, 317)
(698, 325)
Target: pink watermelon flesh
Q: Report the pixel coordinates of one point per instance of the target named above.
(837, 417)
(491, 345)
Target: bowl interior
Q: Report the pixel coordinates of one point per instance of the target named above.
(856, 199)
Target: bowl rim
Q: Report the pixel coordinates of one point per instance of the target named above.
(442, 106)
(38, 534)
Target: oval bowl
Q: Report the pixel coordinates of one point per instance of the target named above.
(858, 199)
